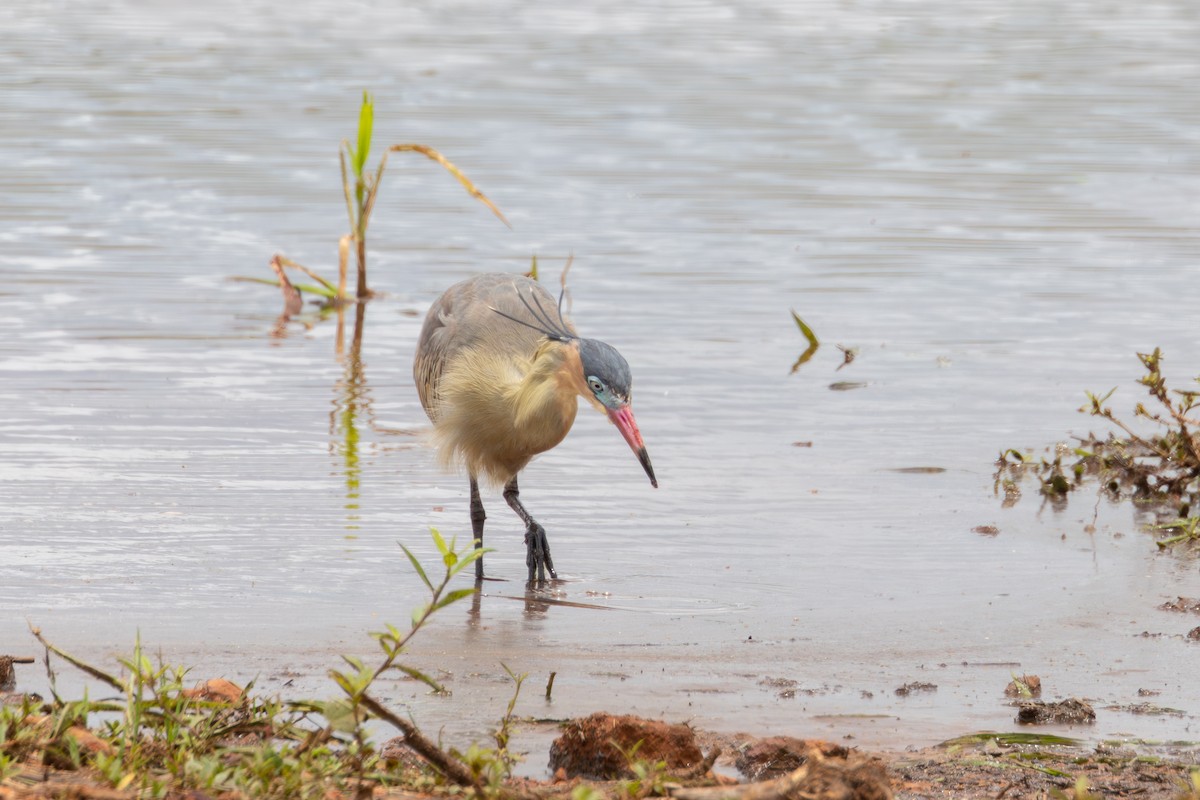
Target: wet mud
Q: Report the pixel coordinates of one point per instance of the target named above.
(605, 751)
(1063, 712)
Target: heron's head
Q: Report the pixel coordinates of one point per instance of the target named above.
(606, 373)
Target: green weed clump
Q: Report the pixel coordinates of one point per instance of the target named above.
(1158, 469)
(157, 738)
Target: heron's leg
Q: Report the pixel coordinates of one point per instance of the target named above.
(477, 517)
(537, 546)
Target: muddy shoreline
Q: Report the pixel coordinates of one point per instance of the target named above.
(553, 756)
(969, 769)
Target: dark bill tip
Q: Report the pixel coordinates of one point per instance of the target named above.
(622, 417)
(644, 458)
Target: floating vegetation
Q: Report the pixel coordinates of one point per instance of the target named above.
(1159, 470)
(813, 342)
(1011, 740)
(848, 356)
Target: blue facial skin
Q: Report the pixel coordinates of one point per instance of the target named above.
(607, 373)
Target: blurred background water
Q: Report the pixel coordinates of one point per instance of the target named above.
(996, 204)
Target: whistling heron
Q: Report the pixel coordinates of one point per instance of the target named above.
(498, 369)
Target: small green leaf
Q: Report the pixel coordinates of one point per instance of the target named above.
(416, 566)
(454, 597)
(343, 681)
(341, 715)
(323, 291)
(366, 121)
(468, 558)
(423, 678)
(807, 331)
(442, 547)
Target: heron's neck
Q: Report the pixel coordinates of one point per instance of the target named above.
(545, 397)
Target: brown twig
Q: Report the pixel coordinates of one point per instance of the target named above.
(70, 659)
(292, 301)
(787, 786)
(434, 155)
(701, 769)
(449, 766)
(287, 262)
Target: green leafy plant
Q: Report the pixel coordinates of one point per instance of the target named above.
(158, 737)
(363, 191)
(1189, 531)
(1159, 469)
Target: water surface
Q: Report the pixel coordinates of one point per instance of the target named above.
(996, 203)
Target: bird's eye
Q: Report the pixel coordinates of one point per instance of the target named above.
(595, 385)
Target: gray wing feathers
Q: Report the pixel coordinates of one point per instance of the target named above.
(462, 319)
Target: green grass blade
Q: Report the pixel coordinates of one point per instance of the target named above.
(807, 331)
(308, 288)
(366, 122)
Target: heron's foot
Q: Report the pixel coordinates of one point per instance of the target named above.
(537, 554)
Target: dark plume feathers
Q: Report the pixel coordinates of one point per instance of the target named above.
(545, 324)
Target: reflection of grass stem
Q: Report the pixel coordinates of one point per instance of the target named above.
(353, 396)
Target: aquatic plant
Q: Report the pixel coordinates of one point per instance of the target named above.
(1159, 469)
(360, 186)
(361, 201)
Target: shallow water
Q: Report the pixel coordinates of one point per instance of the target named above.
(997, 204)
